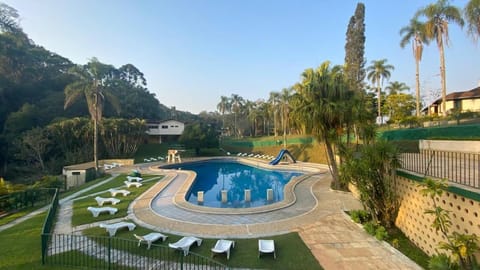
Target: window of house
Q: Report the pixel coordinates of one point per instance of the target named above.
(164, 126)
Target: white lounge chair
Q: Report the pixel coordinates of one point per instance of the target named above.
(98, 210)
(150, 238)
(108, 166)
(266, 246)
(101, 200)
(185, 243)
(114, 192)
(134, 178)
(112, 228)
(223, 246)
(135, 184)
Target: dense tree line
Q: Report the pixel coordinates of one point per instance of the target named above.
(32, 98)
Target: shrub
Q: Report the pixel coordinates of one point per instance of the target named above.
(370, 227)
(360, 216)
(381, 233)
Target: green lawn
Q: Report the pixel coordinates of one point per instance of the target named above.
(291, 252)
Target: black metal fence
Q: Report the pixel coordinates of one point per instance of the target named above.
(457, 167)
(48, 225)
(98, 252)
(27, 198)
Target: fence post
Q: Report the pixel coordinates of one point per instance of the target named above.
(109, 253)
(181, 261)
(44, 242)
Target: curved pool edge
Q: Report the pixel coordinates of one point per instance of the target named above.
(180, 201)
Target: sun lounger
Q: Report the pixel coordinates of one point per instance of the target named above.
(135, 184)
(223, 246)
(108, 166)
(185, 243)
(146, 160)
(266, 246)
(150, 238)
(112, 228)
(101, 200)
(98, 210)
(134, 178)
(114, 192)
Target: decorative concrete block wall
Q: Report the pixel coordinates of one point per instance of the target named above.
(412, 220)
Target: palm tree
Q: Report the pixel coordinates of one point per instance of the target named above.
(222, 107)
(472, 16)
(92, 81)
(320, 104)
(438, 16)
(396, 87)
(236, 102)
(274, 101)
(284, 101)
(377, 73)
(415, 32)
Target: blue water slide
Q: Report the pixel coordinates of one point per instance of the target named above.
(280, 156)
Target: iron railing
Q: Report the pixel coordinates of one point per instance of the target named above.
(48, 225)
(456, 167)
(99, 252)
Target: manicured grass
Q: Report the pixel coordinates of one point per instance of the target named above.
(86, 185)
(9, 218)
(82, 216)
(292, 253)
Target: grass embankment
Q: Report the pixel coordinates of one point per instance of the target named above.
(82, 216)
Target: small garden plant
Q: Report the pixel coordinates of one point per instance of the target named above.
(461, 247)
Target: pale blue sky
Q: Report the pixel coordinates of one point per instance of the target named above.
(192, 52)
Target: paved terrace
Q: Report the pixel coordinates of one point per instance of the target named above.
(316, 213)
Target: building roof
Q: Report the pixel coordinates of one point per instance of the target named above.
(470, 94)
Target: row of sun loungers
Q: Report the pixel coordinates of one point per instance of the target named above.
(153, 159)
(255, 156)
(107, 166)
(184, 244)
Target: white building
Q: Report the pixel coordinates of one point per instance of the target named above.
(165, 131)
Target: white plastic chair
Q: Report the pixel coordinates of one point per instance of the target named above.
(223, 246)
(150, 238)
(98, 210)
(112, 228)
(185, 243)
(135, 184)
(101, 200)
(266, 246)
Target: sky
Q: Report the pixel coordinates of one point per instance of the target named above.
(192, 52)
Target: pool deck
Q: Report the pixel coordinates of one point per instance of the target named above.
(316, 213)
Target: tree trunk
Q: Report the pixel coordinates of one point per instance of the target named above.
(95, 135)
(417, 86)
(443, 79)
(379, 105)
(332, 163)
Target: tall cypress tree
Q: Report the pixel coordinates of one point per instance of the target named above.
(355, 48)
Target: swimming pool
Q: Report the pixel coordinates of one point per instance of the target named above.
(213, 176)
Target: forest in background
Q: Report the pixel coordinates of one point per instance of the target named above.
(37, 135)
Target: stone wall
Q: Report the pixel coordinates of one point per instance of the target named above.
(464, 213)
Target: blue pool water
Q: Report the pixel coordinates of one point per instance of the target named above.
(215, 175)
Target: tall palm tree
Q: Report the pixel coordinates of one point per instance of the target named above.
(415, 32)
(274, 100)
(236, 102)
(285, 96)
(377, 73)
(396, 87)
(320, 103)
(438, 16)
(222, 107)
(472, 16)
(92, 82)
